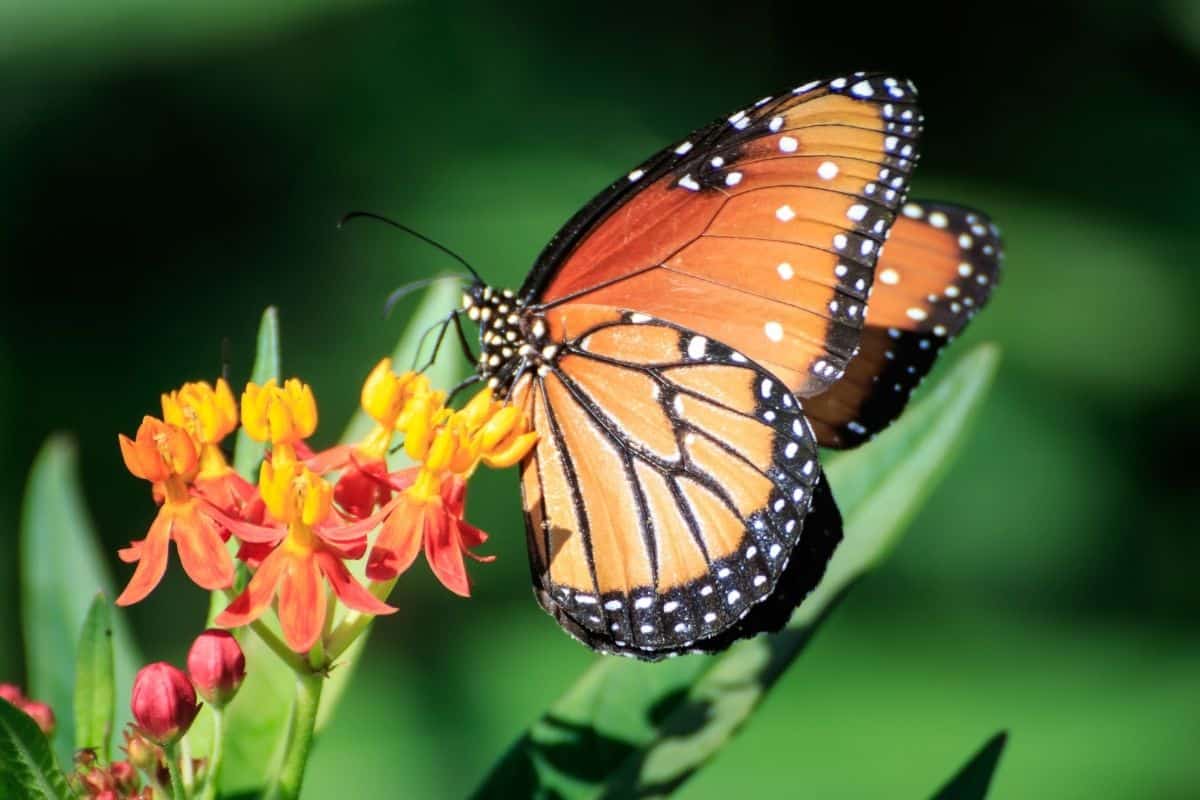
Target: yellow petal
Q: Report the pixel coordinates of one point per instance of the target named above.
(512, 452)
(498, 427)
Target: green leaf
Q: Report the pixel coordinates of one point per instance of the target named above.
(62, 568)
(27, 766)
(248, 453)
(441, 297)
(975, 778)
(95, 692)
(255, 720)
(632, 729)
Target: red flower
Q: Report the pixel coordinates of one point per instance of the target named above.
(435, 521)
(163, 702)
(309, 545)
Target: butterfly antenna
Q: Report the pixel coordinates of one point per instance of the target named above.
(410, 232)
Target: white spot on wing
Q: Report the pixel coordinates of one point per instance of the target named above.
(774, 331)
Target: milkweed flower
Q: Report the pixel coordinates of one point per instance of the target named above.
(309, 544)
(165, 455)
(209, 413)
(450, 446)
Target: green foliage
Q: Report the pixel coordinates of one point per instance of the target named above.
(95, 692)
(975, 778)
(62, 569)
(633, 729)
(248, 453)
(27, 766)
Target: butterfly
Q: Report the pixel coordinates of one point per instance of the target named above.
(690, 338)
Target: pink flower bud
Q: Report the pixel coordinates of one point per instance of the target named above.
(216, 666)
(163, 702)
(42, 715)
(12, 693)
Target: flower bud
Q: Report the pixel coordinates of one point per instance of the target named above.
(42, 715)
(95, 781)
(125, 776)
(163, 702)
(12, 693)
(216, 666)
(142, 753)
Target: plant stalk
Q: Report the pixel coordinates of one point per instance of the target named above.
(178, 790)
(300, 736)
(215, 755)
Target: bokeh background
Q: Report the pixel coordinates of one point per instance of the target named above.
(168, 169)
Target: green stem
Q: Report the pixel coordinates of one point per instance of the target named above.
(178, 790)
(300, 736)
(185, 763)
(354, 623)
(213, 774)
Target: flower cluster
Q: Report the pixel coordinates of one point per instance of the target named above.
(41, 713)
(311, 513)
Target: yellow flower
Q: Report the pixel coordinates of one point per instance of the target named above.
(292, 493)
(208, 414)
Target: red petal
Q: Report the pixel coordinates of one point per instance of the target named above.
(252, 554)
(131, 554)
(347, 589)
(230, 492)
(360, 489)
(246, 531)
(201, 551)
(454, 495)
(302, 604)
(402, 479)
(254, 600)
(356, 530)
(444, 553)
(152, 559)
(398, 542)
(328, 460)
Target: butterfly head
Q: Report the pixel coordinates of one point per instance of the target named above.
(511, 339)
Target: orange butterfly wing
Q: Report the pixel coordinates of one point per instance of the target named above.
(760, 231)
(939, 268)
(670, 488)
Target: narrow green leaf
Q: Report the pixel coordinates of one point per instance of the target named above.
(27, 766)
(248, 453)
(62, 569)
(95, 692)
(441, 297)
(256, 720)
(975, 778)
(633, 729)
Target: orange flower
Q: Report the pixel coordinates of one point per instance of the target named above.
(437, 524)
(309, 549)
(165, 455)
(209, 414)
(451, 445)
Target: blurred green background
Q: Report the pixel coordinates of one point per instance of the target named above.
(168, 169)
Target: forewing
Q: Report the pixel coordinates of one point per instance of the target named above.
(761, 230)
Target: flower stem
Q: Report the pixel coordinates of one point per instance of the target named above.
(214, 755)
(300, 736)
(178, 790)
(354, 623)
(268, 637)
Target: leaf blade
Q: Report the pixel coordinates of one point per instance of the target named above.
(61, 567)
(248, 453)
(973, 780)
(644, 729)
(27, 765)
(95, 690)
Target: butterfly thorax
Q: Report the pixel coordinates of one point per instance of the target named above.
(512, 340)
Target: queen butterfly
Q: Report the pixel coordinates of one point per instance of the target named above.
(690, 338)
